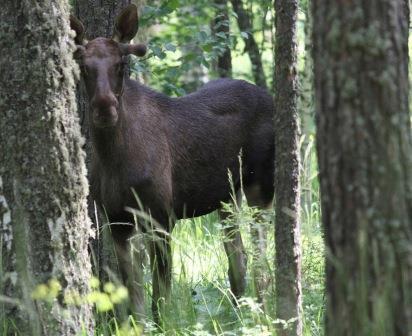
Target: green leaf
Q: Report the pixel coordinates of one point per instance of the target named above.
(173, 4)
(170, 47)
(207, 47)
(202, 36)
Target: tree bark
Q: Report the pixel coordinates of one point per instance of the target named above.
(364, 151)
(251, 47)
(287, 193)
(221, 25)
(44, 228)
(306, 82)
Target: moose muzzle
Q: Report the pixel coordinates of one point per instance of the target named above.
(105, 110)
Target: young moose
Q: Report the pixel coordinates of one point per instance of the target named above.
(174, 153)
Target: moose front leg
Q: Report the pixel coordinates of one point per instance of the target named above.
(130, 261)
(161, 265)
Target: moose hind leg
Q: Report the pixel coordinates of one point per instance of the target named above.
(256, 196)
(237, 260)
(236, 255)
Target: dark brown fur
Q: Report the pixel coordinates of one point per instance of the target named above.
(175, 153)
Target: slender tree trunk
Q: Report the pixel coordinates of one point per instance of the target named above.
(287, 220)
(245, 25)
(44, 228)
(364, 152)
(221, 25)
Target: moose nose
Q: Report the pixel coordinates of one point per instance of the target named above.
(104, 109)
(104, 101)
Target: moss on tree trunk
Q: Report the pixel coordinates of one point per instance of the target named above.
(43, 176)
(287, 193)
(364, 150)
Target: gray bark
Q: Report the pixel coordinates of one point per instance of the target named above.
(44, 228)
(364, 152)
(287, 193)
(98, 15)
(251, 47)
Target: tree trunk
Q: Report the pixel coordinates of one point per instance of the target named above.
(221, 25)
(364, 151)
(287, 222)
(44, 228)
(245, 25)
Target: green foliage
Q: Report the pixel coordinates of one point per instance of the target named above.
(184, 40)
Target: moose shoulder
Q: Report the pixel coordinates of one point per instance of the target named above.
(173, 153)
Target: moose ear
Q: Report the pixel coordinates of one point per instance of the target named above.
(126, 25)
(77, 26)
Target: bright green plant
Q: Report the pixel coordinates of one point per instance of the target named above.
(103, 300)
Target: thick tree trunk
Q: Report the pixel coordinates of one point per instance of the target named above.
(364, 151)
(221, 25)
(44, 228)
(287, 222)
(245, 25)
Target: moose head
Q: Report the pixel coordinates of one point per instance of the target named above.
(102, 62)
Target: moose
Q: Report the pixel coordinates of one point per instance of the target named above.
(174, 154)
